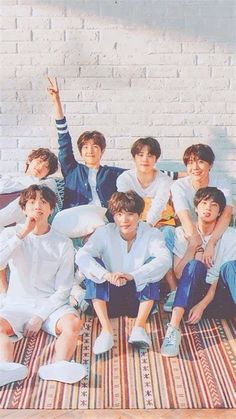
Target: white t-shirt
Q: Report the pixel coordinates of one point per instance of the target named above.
(225, 250)
(107, 244)
(13, 213)
(158, 191)
(92, 180)
(183, 192)
(41, 270)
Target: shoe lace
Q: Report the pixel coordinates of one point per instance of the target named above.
(171, 338)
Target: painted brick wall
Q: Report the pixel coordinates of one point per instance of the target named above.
(128, 68)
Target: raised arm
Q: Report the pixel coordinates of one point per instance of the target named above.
(66, 155)
(53, 93)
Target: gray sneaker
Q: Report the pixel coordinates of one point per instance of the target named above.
(170, 345)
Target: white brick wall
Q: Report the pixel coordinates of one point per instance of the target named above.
(128, 68)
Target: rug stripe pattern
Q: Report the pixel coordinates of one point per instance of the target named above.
(203, 376)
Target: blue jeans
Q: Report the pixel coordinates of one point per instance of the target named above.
(169, 236)
(192, 288)
(121, 301)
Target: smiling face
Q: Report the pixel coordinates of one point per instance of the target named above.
(37, 207)
(198, 169)
(91, 153)
(38, 168)
(144, 160)
(208, 210)
(127, 223)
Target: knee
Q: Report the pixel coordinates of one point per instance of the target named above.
(196, 267)
(4, 329)
(228, 268)
(71, 324)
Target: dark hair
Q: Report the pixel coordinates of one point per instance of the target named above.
(46, 155)
(126, 201)
(30, 193)
(152, 144)
(96, 136)
(210, 192)
(200, 151)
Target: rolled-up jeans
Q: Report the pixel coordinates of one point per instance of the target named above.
(192, 288)
(121, 301)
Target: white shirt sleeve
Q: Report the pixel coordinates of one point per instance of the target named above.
(159, 202)
(180, 243)
(160, 262)
(85, 257)
(9, 241)
(225, 186)
(225, 252)
(63, 283)
(179, 196)
(123, 183)
(12, 213)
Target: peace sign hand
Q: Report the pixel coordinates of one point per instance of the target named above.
(53, 89)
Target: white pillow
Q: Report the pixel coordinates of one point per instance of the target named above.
(79, 221)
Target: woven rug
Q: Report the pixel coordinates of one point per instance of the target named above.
(201, 377)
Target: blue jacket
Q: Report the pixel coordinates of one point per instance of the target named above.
(77, 188)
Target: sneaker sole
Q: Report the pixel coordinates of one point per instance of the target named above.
(170, 355)
(139, 344)
(10, 376)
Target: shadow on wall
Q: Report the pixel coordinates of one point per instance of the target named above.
(208, 20)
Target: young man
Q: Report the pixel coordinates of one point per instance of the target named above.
(41, 275)
(151, 184)
(201, 291)
(40, 163)
(88, 183)
(134, 259)
(199, 159)
(154, 187)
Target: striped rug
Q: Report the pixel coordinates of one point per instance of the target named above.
(203, 376)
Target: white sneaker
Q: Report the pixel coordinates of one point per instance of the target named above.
(12, 371)
(103, 343)
(63, 371)
(139, 338)
(168, 306)
(170, 345)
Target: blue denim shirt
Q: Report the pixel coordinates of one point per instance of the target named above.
(77, 188)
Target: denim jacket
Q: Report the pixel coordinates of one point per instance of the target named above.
(77, 188)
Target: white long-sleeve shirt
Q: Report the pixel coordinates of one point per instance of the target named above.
(225, 250)
(107, 244)
(41, 270)
(158, 191)
(13, 213)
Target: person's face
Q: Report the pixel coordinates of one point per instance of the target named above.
(38, 168)
(91, 154)
(38, 208)
(144, 160)
(126, 222)
(208, 210)
(198, 169)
